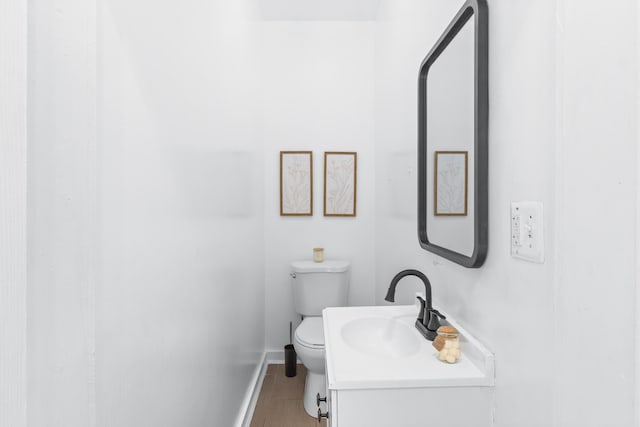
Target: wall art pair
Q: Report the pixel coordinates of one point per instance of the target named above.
(296, 183)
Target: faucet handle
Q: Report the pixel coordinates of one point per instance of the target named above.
(433, 319)
(421, 311)
(440, 315)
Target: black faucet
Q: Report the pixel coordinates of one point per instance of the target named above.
(428, 320)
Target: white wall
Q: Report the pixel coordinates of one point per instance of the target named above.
(327, 10)
(637, 335)
(13, 210)
(559, 118)
(596, 190)
(318, 88)
(63, 214)
(182, 213)
(145, 187)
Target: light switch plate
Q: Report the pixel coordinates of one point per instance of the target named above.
(527, 232)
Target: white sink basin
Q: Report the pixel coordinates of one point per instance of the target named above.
(380, 336)
(380, 348)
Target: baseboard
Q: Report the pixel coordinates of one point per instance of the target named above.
(276, 357)
(252, 394)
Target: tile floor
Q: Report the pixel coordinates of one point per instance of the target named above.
(280, 400)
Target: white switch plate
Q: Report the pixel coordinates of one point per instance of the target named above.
(527, 232)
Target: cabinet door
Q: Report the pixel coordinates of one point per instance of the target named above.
(413, 407)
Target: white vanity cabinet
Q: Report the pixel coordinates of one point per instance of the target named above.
(411, 407)
(403, 387)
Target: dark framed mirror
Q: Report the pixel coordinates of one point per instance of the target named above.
(453, 121)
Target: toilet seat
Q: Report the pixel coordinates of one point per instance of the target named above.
(310, 333)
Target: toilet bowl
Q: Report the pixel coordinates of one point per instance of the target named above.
(309, 345)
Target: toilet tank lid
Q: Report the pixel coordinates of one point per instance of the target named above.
(328, 266)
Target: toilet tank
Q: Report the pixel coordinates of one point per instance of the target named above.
(318, 285)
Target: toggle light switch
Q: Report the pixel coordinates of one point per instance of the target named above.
(527, 233)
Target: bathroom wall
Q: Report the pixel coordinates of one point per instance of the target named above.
(182, 183)
(13, 207)
(63, 218)
(596, 190)
(145, 184)
(561, 128)
(317, 94)
(637, 334)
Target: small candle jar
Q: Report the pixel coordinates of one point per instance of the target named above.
(318, 254)
(448, 344)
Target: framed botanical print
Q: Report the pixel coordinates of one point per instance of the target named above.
(340, 183)
(296, 183)
(451, 183)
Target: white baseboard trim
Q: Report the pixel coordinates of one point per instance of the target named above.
(276, 357)
(252, 394)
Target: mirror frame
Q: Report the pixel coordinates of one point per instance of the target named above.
(478, 10)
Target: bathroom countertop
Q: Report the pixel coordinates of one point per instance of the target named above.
(350, 368)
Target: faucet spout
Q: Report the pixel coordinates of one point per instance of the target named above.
(428, 320)
(391, 292)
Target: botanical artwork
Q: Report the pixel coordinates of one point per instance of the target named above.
(451, 183)
(296, 183)
(340, 183)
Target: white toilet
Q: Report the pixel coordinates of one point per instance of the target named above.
(315, 287)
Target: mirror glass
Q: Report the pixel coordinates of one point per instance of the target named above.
(450, 134)
(452, 143)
